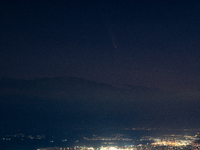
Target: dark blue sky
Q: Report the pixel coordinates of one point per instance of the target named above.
(137, 42)
(150, 46)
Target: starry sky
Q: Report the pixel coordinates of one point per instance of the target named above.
(152, 44)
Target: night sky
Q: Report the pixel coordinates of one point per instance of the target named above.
(126, 62)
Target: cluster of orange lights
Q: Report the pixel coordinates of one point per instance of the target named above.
(172, 143)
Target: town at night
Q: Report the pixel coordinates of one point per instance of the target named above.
(99, 75)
